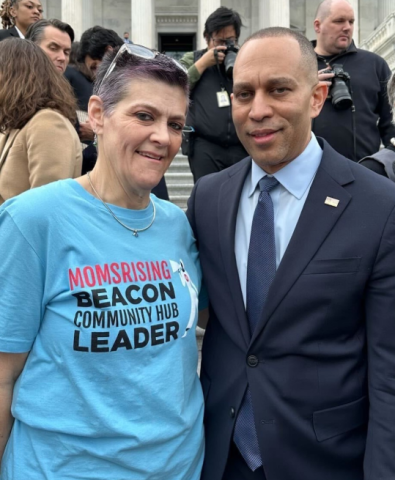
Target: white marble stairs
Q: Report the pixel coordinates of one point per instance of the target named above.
(179, 181)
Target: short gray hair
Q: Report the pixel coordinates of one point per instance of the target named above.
(114, 88)
(308, 56)
(325, 8)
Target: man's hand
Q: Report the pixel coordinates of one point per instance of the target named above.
(326, 77)
(210, 58)
(86, 132)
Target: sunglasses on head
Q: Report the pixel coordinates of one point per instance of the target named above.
(138, 51)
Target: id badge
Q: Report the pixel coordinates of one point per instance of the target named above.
(223, 99)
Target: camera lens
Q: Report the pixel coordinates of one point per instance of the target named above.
(341, 98)
(229, 63)
(340, 91)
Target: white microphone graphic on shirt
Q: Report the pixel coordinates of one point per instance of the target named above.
(193, 292)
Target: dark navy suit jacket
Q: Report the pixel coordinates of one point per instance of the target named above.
(10, 32)
(321, 362)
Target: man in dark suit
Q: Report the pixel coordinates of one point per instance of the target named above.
(297, 246)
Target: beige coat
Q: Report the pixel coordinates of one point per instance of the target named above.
(46, 149)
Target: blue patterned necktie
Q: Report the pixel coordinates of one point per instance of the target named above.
(261, 269)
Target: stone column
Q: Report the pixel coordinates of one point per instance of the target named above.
(311, 9)
(274, 13)
(206, 8)
(143, 22)
(385, 8)
(78, 14)
(44, 4)
(355, 6)
(87, 15)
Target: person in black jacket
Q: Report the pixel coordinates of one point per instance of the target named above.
(357, 130)
(80, 78)
(17, 15)
(215, 144)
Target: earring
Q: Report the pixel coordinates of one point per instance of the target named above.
(95, 139)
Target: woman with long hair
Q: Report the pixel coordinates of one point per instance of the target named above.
(17, 15)
(38, 143)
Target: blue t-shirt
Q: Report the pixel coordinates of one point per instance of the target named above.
(109, 390)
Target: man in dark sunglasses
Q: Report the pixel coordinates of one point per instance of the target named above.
(214, 145)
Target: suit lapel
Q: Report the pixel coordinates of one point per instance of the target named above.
(13, 32)
(316, 221)
(229, 199)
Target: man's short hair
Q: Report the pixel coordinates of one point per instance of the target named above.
(324, 9)
(35, 32)
(95, 41)
(221, 18)
(309, 58)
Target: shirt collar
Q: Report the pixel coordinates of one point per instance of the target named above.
(19, 32)
(297, 175)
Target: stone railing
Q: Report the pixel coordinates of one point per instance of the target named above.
(382, 41)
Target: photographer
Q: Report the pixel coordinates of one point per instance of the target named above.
(356, 116)
(214, 145)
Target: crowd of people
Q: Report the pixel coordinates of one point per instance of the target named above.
(286, 255)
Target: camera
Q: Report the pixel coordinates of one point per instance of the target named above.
(230, 57)
(339, 91)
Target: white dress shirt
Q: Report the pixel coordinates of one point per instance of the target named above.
(19, 32)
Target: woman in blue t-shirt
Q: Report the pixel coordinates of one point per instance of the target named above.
(99, 285)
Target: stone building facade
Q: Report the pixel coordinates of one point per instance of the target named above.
(382, 39)
(176, 26)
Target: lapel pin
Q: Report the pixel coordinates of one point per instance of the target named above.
(333, 202)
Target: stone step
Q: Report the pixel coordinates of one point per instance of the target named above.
(179, 181)
(180, 166)
(200, 332)
(179, 154)
(180, 157)
(179, 200)
(177, 189)
(178, 177)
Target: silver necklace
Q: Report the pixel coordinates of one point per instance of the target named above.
(135, 231)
